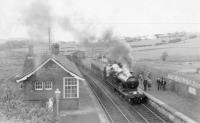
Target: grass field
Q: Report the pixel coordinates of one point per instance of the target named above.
(183, 57)
(188, 49)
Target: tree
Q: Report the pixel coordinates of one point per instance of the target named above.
(164, 56)
(198, 70)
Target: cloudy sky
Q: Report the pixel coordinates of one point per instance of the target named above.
(125, 17)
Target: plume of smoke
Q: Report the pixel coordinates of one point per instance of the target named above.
(117, 50)
(107, 35)
(38, 19)
(84, 35)
(120, 52)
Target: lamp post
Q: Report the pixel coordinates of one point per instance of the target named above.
(57, 94)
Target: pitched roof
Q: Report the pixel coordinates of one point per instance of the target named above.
(34, 63)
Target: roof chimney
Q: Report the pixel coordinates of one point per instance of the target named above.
(55, 49)
(30, 52)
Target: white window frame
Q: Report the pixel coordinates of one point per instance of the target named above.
(77, 86)
(36, 86)
(48, 88)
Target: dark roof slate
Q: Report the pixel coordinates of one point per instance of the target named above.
(67, 64)
(33, 62)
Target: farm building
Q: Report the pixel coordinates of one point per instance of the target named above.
(44, 74)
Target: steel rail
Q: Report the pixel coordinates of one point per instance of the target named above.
(104, 105)
(139, 113)
(163, 121)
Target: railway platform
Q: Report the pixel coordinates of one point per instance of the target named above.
(187, 106)
(90, 111)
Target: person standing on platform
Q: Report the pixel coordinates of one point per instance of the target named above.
(158, 83)
(161, 83)
(149, 82)
(164, 84)
(145, 84)
(141, 79)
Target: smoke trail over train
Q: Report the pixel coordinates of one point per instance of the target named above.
(116, 49)
(39, 17)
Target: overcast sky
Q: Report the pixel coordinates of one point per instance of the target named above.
(125, 17)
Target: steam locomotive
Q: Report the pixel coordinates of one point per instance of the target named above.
(123, 82)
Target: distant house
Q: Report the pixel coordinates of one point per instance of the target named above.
(68, 47)
(42, 75)
(171, 35)
(162, 36)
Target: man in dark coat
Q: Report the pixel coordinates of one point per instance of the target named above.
(145, 84)
(158, 83)
(164, 84)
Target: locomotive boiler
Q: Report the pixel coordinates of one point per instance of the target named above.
(123, 82)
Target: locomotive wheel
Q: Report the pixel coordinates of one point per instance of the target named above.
(133, 101)
(144, 100)
(138, 100)
(121, 95)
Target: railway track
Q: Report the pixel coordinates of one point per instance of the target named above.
(116, 107)
(113, 112)
(148, 115)
(145, 111)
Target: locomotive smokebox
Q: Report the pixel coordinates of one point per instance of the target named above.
(134, 82)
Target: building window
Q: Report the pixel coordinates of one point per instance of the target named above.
(38, 85)
(48, 85)
(70, 87)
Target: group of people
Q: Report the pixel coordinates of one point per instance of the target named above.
(161, 84)
(147, 82)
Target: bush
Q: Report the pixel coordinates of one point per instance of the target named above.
(163, 41)
(159, 43)
(134, 46)
(164, 56)
(175, 40)
(192, 36)
(13, 108)
(198, 70)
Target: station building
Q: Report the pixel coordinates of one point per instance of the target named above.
(184, 85)
(43, 74)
